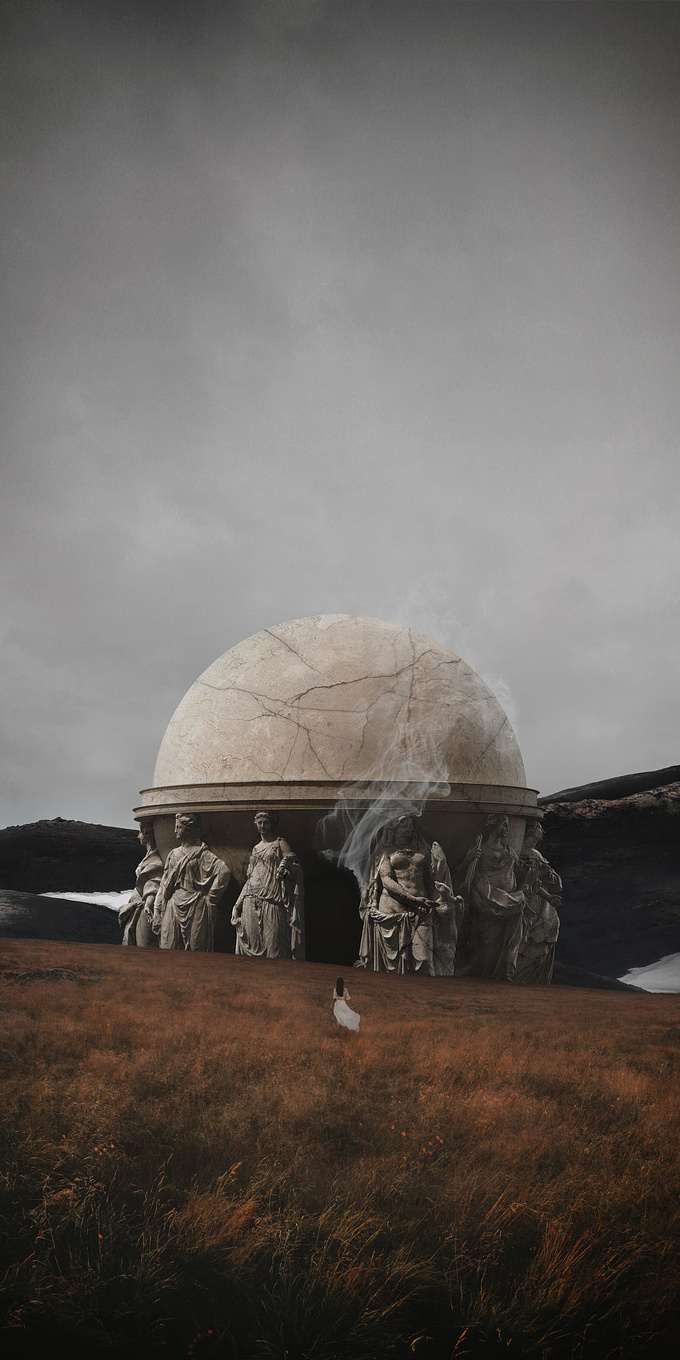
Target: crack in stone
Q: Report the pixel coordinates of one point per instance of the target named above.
(294, 650)
(291, 710)
(490, 743)
(295, 699)
(368, 711)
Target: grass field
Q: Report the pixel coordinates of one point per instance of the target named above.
(198, 1162)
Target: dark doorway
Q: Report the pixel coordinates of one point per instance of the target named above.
(332, 920)
(225, 934)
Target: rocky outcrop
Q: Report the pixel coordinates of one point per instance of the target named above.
(23, 916)
(619, 859)
(613, 789)
(67, 856)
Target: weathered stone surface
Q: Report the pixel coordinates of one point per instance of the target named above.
(331, 700)
(136, 917)
(410, 915)
(337, 712)
(191, 889)
(540, 923)
(268, 916)
(491, 928)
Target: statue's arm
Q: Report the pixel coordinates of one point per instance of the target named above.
(218, 887)
(151, 888)
(394, 888)
(162, 894)
(552, 880)
(289, 859)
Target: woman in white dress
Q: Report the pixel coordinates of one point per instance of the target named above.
(344, 1016)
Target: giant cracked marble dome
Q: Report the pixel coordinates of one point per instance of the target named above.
(337, 705)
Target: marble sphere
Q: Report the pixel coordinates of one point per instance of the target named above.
(337, 706)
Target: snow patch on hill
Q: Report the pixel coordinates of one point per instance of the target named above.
(114, 900)
(662, 976)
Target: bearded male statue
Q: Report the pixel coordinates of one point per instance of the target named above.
(409, 913)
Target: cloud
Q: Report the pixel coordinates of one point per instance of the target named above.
(317, 308)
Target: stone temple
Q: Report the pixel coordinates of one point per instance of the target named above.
(324, 720)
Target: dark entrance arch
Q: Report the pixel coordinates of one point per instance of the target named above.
(332, 921)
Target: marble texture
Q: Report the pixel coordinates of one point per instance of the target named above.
(491, 929)
(541, 886)
(409, 913)
(338, 699)
(136, 917)
(191, 889)
(336, 712)
(268, 915)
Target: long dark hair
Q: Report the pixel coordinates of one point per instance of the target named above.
(339, 986)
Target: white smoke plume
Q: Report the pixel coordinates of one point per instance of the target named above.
(412, 770)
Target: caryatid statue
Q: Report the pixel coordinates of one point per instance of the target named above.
(540, 923)
(491, 929)
(269, 914)
(193, 884)
(409, 912)
(136, 917)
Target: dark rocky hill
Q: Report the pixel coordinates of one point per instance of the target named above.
(621, 787)
(24, 916)
(68, 856)
(619, 858)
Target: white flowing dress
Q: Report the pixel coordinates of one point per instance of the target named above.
(342, 1012)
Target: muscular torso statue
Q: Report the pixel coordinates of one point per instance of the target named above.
(408, 909)
(406, 882)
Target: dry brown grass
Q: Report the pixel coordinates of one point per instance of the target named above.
(199, 1162)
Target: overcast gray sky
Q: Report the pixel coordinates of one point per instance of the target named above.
(315, 306)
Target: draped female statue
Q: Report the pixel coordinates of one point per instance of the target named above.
(269, 914)
(136, 917)
(408, 909)
(193, 884)
(540, 922)
(491, 929)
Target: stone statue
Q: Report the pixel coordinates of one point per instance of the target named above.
(193, 884)
(540, 922)
(491, 929)
(269, 914)
(136, 917)
(409, 913)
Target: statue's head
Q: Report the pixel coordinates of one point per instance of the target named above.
(265, 822)
(497, 824)
(533, 833)
(403, 830)
(186, 821)
(147, 835)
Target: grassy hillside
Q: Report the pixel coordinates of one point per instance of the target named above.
(198, 1162)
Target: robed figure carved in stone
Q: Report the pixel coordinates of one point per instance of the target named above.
(136, 917)
(408, 909)
(193, 884)
(491, 929)
(540, 923)
(269, 914)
